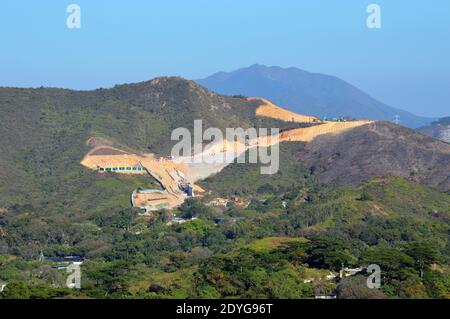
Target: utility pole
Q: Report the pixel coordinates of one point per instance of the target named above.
(397, 119)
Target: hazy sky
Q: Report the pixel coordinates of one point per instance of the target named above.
(406, 63)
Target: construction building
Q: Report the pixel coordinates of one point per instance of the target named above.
(117, 168)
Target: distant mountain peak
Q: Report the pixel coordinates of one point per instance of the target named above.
(305, 92)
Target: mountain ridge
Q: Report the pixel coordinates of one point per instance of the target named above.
(379, 150)
(439, 129)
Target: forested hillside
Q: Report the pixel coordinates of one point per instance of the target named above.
(263, 250)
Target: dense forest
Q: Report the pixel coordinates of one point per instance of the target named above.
(283, 244)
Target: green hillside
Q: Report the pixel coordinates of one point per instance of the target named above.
(245, 179)
(44, 134)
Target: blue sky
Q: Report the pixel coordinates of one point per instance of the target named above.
(405, 64)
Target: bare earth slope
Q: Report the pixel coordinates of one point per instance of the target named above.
(376, 150)
(269, 109)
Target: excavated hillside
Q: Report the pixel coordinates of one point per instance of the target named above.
(44, 133)
(173, 173)
(439, 130)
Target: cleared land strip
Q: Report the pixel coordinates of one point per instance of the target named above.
(269, 109)
(309, 133)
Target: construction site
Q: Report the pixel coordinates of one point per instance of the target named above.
(169, 174)
(177, 176)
